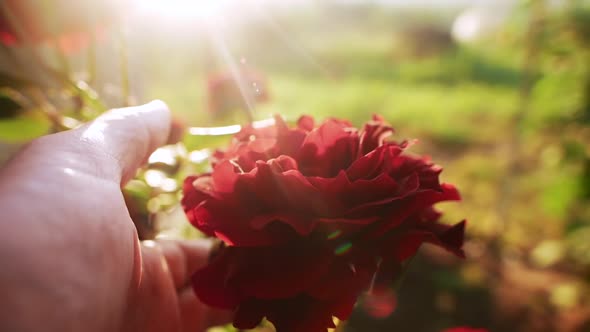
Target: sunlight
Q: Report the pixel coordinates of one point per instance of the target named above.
(228, 130)
(184, 9)
(94, 133)
(289, 42)
(223, 51)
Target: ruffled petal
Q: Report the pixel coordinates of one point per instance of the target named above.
(328, 149)
(374, 134)
(403, 209)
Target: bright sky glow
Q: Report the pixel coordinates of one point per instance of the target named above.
(183, 9)
(467, 26)
(477, 22)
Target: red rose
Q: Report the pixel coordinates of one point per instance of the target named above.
(311, 217)
(68, 23)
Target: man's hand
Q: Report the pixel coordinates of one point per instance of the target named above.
(70, 259)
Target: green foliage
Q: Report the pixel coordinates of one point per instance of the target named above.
(23, 128)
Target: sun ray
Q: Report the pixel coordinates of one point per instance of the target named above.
(220, 46)
(284, 36)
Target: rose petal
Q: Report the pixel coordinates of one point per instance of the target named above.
(348, 275)
(191, 196)
(403, 246)
(450, 237)
(328, 149)
(301, 224)
(210, 284)
(306, 123)
(249, 314)
(224, 177)
(371, 165)
(277, 272)
(229, 221)
(374, 134)
(405, 208)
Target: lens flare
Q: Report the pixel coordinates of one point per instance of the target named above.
(335, 234)
(343, 248)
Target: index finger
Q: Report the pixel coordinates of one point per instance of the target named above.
(185, 257)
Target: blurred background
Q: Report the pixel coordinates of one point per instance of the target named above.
(496, 91)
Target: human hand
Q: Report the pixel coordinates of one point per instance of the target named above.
(69, 252)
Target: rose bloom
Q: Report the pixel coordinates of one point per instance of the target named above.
(311, 218)
(68, 23)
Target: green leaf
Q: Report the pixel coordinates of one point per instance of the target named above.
(23, 128)
(89, 97)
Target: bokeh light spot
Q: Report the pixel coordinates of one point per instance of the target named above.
(335, 234)
(380, 303)
(343, 248)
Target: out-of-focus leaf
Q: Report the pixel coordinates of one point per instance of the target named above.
(574, 151)
(580, 18)
(167, 201)
(138, 189)
(559, 194)
(8, 107)
(7, 80)
(584, 180)
(23, 128)
(577, 245)
(197, 142)
(89, 97)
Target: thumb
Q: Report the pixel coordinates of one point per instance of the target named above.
(127, 135)
(111, 147)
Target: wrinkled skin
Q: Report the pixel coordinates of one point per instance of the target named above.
(310, 215)
(70, 256)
